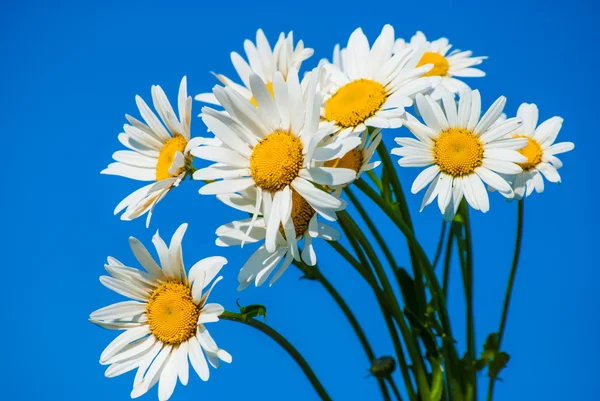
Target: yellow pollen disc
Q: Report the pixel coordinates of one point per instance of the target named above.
(355, 102)
(276, 161)
(458, 152)
(270, 88)
(301, 214)
(172, 313)
(533, 153)
(167, 154)
(352, 160)
(440, 64)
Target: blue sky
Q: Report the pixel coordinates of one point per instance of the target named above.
(70, 73)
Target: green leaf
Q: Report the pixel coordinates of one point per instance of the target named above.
(251, 311)
(492, 357)
(497, 364)
(407, 287)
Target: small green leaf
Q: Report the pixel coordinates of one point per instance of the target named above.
(407, 288)
(252, 311)
(497, 364)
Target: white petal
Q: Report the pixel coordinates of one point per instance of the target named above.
(493, 180)
(227, 186)
(328, 175)
(424, 178)
(549, 172)
(221, 155)
(198, 360)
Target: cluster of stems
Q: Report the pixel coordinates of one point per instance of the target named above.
(412, 303)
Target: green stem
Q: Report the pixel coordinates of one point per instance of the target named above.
(468, 286)
(394, 389)
(435, 289)
(452, 366)
(447, 262)
(381, 300)
(438, 251)
(410, 341)
(388, 166)
(285, 344)
(378, 237)
(511, 282)
(315, 273)
(375, 179)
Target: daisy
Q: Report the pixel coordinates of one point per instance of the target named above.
(448, 66)
(368, 86)
(164, 323)
(157, 153)
(540, 151)
(273, 148)
(359, 157)
(461, 149)
(303, 225)
(263, 61)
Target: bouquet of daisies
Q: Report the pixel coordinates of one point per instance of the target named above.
(290, 149)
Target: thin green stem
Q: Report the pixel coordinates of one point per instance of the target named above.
(468, 287)
(453, 366)
(447, 262)
(394, 389)
(388, 166)
(378, 237)
(435, 289)
(316, 274)
(410, 341)
(375, 179)
(285, 344)
(511, 282)
(438, 251)
(362, 268)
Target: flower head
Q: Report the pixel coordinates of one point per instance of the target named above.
(275, 148)
(164, 323)
(264, 62)
(158, 151)
(303, 225)
(448, 66)
(540, 151)
(368, 86)
(461, 150)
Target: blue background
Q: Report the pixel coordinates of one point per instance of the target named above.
(70, 71)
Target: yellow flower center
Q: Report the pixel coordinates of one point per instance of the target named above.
(352, 160)
(270, 88)
(440, 64)
(276, 161)
(301, 214)
(533, 152)
(355, 102)
(458, 152)
(172, 313)
(167, 154)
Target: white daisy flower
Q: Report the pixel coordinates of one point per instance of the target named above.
(540, 151)
(368, 86)
(164, 323)
(448, 66)
(264, 62)
(273, 148)
(359, 157)
(460, 150)
(157, 153)
(303, 225)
